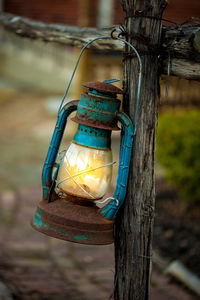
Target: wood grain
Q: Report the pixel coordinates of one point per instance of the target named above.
(134, 224)
(176, 41)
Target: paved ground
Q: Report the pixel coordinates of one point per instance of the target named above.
(34, 266)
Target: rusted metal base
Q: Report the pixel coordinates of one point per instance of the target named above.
(66, 220)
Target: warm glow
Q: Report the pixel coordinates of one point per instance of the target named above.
(78, 175)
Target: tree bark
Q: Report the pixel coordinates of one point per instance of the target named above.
(176, 41)
(133, 234)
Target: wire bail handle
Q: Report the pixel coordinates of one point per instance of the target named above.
(117, 38)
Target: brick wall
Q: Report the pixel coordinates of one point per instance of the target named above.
(68, 11)
(177, 11)
(59, 11)
(119, 13)
(180, 10)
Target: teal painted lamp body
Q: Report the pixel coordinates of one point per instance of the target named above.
(73, 184)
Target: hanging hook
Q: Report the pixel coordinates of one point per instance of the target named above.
(111, 34)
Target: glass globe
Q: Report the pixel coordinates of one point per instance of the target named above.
(84, 172)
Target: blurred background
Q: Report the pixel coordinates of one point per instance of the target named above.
(33, 78)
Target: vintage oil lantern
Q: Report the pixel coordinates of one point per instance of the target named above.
(75, 180)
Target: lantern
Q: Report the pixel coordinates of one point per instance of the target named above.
(76, 180)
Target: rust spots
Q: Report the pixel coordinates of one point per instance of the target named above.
(103, 87)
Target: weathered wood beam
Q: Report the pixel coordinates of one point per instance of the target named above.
(180, 48)
(134, 222)
(57, 33)
(182, 42)
(182, 68)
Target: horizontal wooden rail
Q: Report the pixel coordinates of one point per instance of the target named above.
(181, 43)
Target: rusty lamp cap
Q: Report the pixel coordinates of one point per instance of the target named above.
(103, 87)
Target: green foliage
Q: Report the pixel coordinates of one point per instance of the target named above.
(178, 150)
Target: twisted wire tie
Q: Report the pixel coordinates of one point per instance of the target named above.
(105, 200)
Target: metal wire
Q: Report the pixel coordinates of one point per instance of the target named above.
(107, 81)
(105, 200)
(112, 80)
(139, 76)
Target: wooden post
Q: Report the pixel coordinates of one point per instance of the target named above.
(134, 222)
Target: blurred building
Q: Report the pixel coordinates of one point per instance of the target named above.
(99, 12)
(67, 11)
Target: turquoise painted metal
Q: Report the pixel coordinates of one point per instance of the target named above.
(97, 108)
(73, 222)
(110, 210)
(47, 180)
(93, 137)
(96, 105)
(72, 218)
(97, 115)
